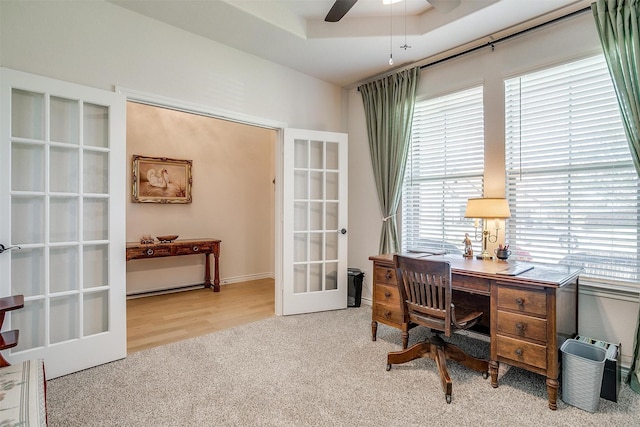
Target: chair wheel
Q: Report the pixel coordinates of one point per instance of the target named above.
(388, 366)
(485, 375)
(448, 397)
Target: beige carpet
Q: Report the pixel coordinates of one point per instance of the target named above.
(309, 370)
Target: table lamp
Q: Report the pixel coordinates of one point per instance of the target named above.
(486, 208)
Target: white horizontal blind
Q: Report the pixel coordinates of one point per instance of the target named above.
(444, 168)
(571, 184)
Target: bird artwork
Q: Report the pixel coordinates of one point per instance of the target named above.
(159, 178)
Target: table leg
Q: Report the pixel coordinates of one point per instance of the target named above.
(552, 391)
(374, 330)
(207, 271)
(493, 370)
(216, 269)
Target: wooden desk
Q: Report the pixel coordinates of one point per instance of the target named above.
(137, 250)
(528, 316)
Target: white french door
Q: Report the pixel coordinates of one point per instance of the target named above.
(62, 201)
(314, 221)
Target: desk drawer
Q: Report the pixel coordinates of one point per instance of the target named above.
(522, 300)
(385, 275)
(386, 294)
(193, 249)
(522, 351)
(387, 314)
(471, 284)
(148, 252)
(522, 326)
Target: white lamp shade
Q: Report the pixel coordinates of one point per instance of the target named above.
(487, 208)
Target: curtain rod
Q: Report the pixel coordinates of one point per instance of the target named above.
(493, 42)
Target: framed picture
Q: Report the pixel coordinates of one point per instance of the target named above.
(161, 180)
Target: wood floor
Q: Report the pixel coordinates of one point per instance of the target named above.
(162, 319)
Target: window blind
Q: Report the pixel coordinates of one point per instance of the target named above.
(571, 183)
(444, 168)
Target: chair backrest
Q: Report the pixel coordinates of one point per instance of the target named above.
(425, 290)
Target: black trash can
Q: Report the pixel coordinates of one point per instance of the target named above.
(355, 287)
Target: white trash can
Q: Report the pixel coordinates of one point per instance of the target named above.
(582, 368)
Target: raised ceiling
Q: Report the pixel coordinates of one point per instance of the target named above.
(293, 32)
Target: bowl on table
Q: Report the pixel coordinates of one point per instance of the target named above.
(167, 239)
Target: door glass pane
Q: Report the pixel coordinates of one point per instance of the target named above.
(64, 318)
(317, 154)
(95, 173)
(331, 216)
(300, 216)
(315, 277)
(332, 186)
(332, 155)
(27, 167)
(63, 219)
(95, 262)
(331, 246)
(316, 244)
(64, 120)
(316, 216)
(300, 184)
(299, 247)
(29, 320)
(27, 114)
(95, 313)
(301, 154)
(63, 170)
(28, 272)
(27, 220)
(96, 125)
(316, 185)
(63, 269)
(96, 215)
(331, 276)
(299, 278)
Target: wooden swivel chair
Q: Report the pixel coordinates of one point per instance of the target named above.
(425, 293)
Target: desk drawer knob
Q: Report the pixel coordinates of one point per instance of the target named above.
(387, 314)
(521, 326)
(518, 352)
(149, 252)
(388, 275)
(196, 249)
(387, 294)
(519, 301)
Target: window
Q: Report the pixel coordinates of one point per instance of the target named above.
(444, 168)
(571, 183)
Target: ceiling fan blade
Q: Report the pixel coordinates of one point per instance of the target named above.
(444, 6)
(339, 9)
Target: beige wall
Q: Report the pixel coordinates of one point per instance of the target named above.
(233, 196)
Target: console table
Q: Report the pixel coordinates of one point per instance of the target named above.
(206, 246)
(527, 317)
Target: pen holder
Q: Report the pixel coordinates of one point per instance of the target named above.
(502, 254)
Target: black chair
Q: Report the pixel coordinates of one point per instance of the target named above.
(425, 292)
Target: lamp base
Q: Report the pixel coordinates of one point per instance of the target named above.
(484, 256)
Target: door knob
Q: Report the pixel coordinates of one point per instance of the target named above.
(4, 248)
(342, 231)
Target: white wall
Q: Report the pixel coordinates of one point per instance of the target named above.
(99, 44)
(604, 315)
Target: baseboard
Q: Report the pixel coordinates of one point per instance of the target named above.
(181, 288)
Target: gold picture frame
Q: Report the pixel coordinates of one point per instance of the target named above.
(161, 180)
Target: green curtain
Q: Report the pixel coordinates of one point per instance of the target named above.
(618, 24)
(388, 106)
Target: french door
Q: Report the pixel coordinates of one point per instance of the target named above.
(314, 221)
(62, 205)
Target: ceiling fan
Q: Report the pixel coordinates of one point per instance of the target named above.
(341, 7)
